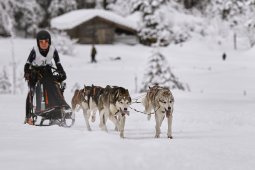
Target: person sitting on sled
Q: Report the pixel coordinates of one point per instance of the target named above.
(41, 56)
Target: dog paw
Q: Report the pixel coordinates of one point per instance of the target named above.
(89, 129)
(170, 137)
(157, 136)
(103, 127)
(122, 135)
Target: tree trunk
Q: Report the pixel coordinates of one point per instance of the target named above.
(188, 4)
(235, 42)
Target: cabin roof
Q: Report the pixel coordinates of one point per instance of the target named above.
(73, 19)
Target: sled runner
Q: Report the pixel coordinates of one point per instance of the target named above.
(46, 102)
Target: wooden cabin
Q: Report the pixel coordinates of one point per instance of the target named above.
(93, 26)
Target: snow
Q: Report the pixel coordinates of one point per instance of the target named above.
(75, 18)
(213, 124)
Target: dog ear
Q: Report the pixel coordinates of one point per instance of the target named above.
(127, 92)
(116, 94)
(166, 93)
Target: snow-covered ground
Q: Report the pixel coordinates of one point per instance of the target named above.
(213, 123)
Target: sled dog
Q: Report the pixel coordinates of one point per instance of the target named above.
(113, 104)
(87, 99)
(159, 100)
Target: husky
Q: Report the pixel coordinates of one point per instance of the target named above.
(87, 99)
(159, 100)
(113, 104)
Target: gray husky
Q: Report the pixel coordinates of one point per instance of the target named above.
(113, 104)
(160, 100)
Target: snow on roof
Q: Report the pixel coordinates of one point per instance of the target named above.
(75, 18)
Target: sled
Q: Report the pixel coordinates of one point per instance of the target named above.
(46, 100)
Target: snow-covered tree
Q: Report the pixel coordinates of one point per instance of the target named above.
(59, 7)
(99, 4)
(234, 16)
(188, 4)
(166, 22)
(159, 72)
(85, 4)
(250, 31)
(53, 8)
(6, 15)
(45, 4)
(20, 86)
(5, 84)
(63, 43)
(28, 14)
(120, 7)
(153, 27)
(249, 23)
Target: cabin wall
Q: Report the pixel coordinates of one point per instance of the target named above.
(96, 31)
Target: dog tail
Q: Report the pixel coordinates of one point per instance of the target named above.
(73, 99)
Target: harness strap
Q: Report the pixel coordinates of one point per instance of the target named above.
(142, 112)
(116, 112)
(83, 96)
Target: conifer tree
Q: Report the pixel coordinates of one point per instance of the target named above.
(159, 72)
(5, 84)
(6, 8)
(59, 7)
(28, 14)
(153, 28)
(64, 43)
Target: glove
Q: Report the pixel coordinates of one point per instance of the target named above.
(26, 76)
(61, 77)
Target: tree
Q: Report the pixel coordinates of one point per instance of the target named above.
(84, 4)
(5, 84)
(199, 4)
(153, 23)
(250, 31)
(20, 86)
(59, 7)
(6, 8)
(44, 4)
(63, 43)
(236, 16)
(159, 72)
(28, 14)
(247, 22)
(52, 8)
(120, 7)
